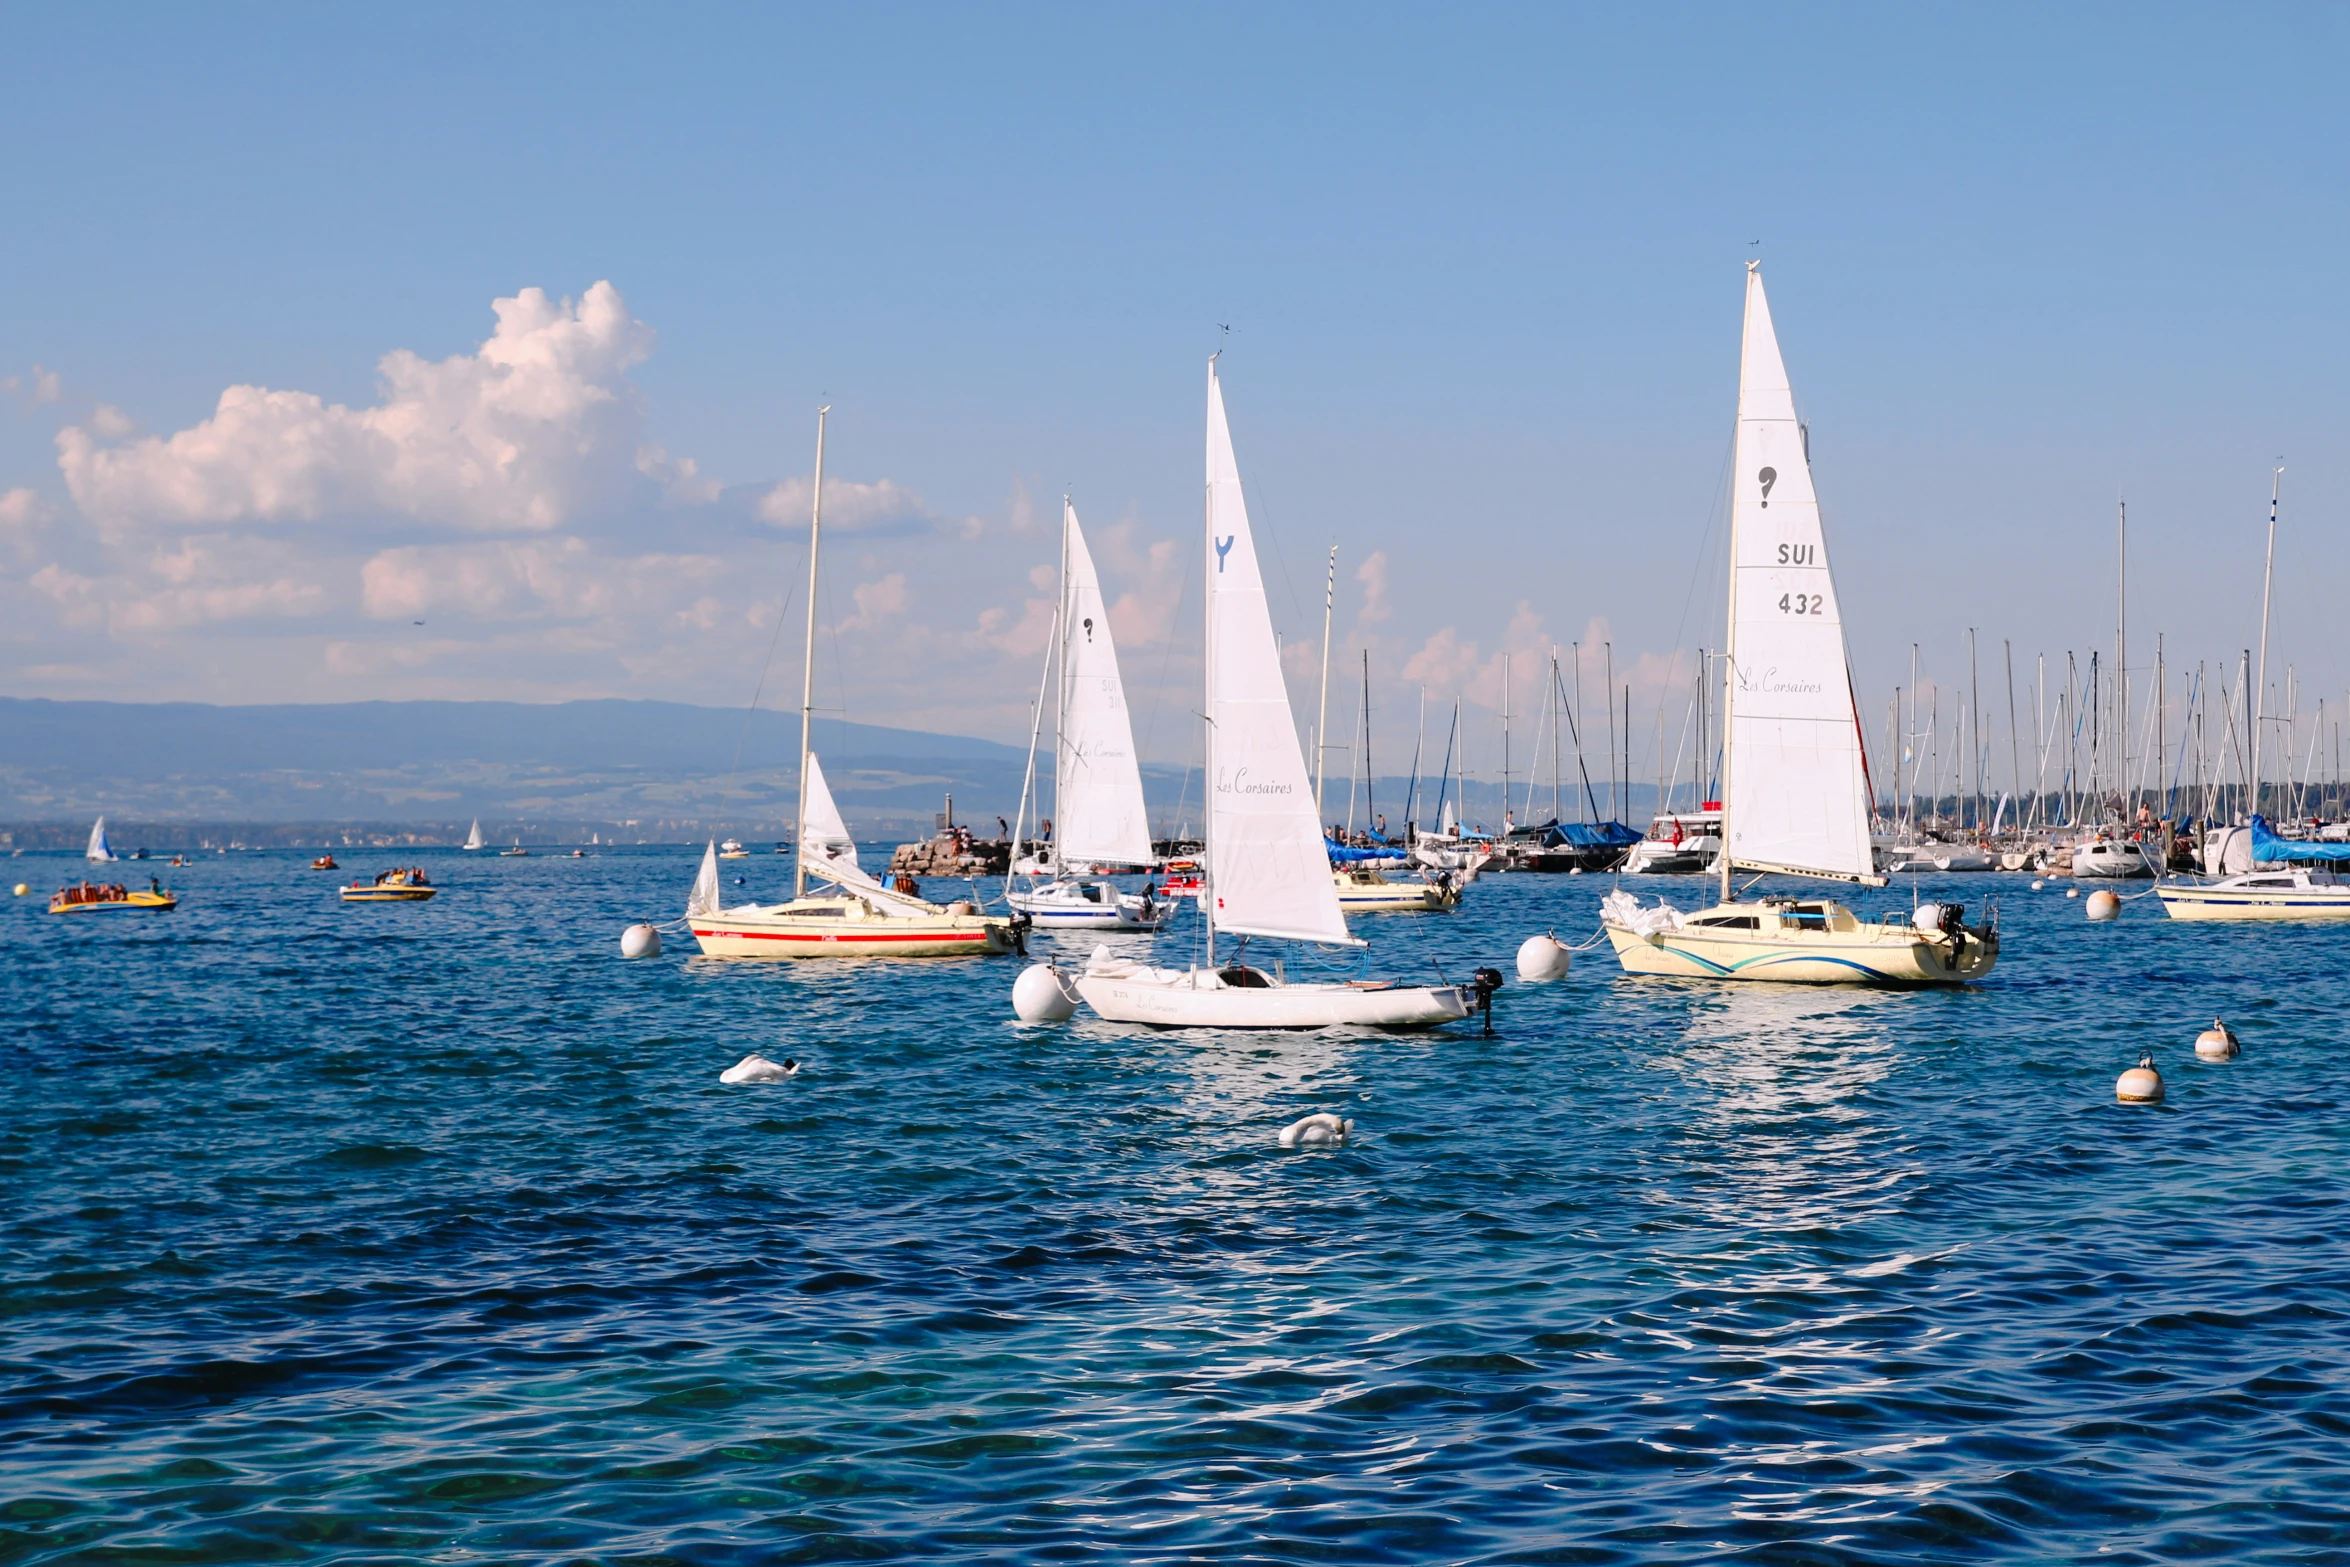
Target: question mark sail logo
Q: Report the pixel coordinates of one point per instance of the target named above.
(1089, 628)
(1769, 477)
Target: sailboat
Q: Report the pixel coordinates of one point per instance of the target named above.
(1097, 784)
(97, 849)
(2289, 878)
(1265, 871)
(474, 839)
(1795, 792)
(857, 916)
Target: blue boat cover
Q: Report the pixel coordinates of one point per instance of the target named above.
(2269, 849)
(1594, 835)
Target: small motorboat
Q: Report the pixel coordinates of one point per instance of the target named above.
(1183, 879)
(1091, 905)
(325, 862)
(2108, 852)
(733, 850)
(90, 897)
(407, 885)
(1363, 890)
(513, 853)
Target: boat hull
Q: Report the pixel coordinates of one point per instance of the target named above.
(1196, 998)
(1872, 955)
(2255, 903)
(146, 902)
(1396, 897)
(388, 894)
(752, 933)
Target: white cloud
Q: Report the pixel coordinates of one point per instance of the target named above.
(540, 427)
(37, 386)
(877, 602)
(562, 577)
(24, 516)
(112, 422)
(883, 507)
(1372, 574)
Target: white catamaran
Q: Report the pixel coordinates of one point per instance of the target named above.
(1265, 870)
(858, 917)
(1097, 783)
(1795, 795)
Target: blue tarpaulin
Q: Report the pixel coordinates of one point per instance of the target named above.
(2269, 849)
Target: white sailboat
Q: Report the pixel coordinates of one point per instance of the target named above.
(1097, 782)
(2283, 878)
(856, 916)
(1795, 796)
(1266, 873)
(474, 839)
(98, 849)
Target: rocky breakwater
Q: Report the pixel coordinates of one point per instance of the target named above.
(952, 854)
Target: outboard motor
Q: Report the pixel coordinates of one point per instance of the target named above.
(1020, 924)
(1485, 982)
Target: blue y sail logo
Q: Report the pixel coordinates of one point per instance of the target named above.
(1223, 548)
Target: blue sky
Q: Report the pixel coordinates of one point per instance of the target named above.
(1481, 269)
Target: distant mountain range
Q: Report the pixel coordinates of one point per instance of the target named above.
(545, 773)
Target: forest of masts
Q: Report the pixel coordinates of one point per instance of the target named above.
(2058, 744)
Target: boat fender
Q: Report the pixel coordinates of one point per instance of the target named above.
(1043, 994)
(1927, 917)
(962, 906)
(1542, 957)
(758, 1069)
(2141, 1084)
(640, 941)
(1316, 1131)
(2103, 905)
(2218, 1043)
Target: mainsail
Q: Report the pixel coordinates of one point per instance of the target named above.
(1268, 873)
(474, 839)
(1098, 782)
(1795, 797)
(97, 849)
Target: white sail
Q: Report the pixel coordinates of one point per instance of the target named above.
(703, 900)
(474, 839)
(1268, 872)
(1098, 781)
(1796, 796)
(828, 842)
(97, 849)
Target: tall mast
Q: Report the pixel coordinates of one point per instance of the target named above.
(2015, 760)
(1370, 789)
(1505, 742)
(2267, 576)
(1058, 660)
(1044, 678)
(799, 836)
(2121, 657)
(1207, 833)
(1322, 715)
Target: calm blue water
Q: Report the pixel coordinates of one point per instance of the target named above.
(428, 1234)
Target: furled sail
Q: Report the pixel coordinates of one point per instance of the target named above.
(1099, 781)
(97, 849)
(1797, 797)
(703, 900)
(1267, 870)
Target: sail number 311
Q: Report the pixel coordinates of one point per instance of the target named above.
(1802, 603)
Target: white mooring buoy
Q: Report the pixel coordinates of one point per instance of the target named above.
(2036, 886)
(1316, 1131)
(2218, 1043)
(758, 1069)
(1043, 994)
(640, 941)
(2072, 892)
(1543, 957)
(2103, 905)
(2141, 1084)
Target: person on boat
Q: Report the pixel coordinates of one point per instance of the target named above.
(155, 885)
